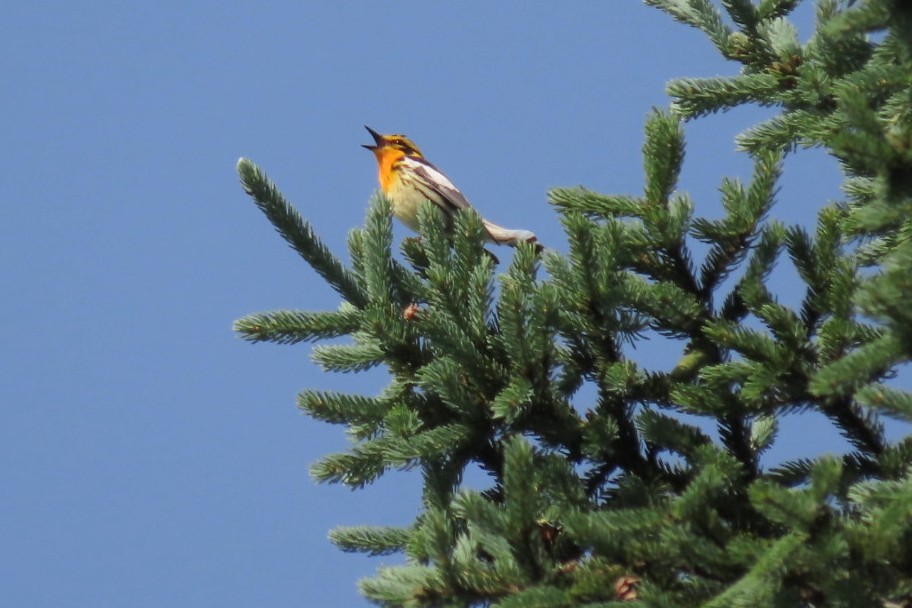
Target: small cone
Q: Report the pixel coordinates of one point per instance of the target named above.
(625, 588)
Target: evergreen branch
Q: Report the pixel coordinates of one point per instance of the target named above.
(393, 292)
(733, 236)
(801, 250)
(700, 14)
(480, 512)
(763, 187)
(391, 331)
(792, 510)
(763, 433)
(781, 132)
(599, 435)
(725, 253)
(348, 357)
(862, 366)
(757, 586)
(763, 258)
(446, 334)
(434, 537)
(413, 251)
(628, 452)
(861, 465)
(703, 556)
(781, 41)
(366, 461)
(772, 9)
(657, 248)
(480, 299)
(668, 433)
(460, 293)
(735, 432)
(513, 401)
(428, 444)
(819, 262)
(677, 251)
(494, 575)
(378, 262)
(448, 380)
(294, 326)
(589, 287)
(663, 154)
(711, 397)
(521, 482)
(893, 402)
(401, 585)
(593, 204)
(839, 335)
(886, 296)
(666, 219)
(299, 233)
(523, 329)
(787, 329)
(436, 242)
(342, 408)
(792, 473)
(765, 389)
(544, 597)
(889, 529)
(742, 12)
(862, 144)
(612, 532)
(676, 311)
(355, 243)
(694, 97)
(825, 10)
(469, 235)
(861, 428)
(373, 540)
(357, 468)
(866, 17)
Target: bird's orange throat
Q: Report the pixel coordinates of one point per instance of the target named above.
(386, 159)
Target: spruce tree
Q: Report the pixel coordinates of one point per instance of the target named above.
(615, 498)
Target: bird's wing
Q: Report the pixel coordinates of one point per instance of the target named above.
(437, 186)
(438, 189)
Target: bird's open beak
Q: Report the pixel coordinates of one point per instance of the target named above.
(378, 139)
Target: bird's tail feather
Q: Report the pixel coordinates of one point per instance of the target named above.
(507, 236)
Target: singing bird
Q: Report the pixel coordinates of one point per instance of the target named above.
(408, 179)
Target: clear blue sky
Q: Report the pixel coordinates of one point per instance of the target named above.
(148, 457)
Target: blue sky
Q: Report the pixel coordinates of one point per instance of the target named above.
(150, 457)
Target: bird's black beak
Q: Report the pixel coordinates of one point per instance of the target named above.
(378, 139)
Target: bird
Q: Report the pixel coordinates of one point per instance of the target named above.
(407, 179)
